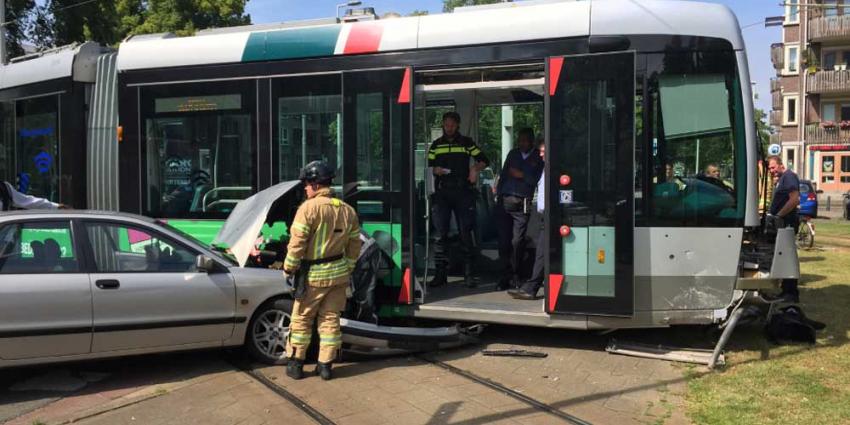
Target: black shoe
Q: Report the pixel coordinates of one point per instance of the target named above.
(324, 370)
(439, 279)
(514, 291)
(522, 294)
(295, 369)
(467, 277)
(506, 282)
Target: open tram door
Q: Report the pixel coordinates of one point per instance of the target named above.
(590, 117)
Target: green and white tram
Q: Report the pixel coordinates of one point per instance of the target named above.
(635, 100)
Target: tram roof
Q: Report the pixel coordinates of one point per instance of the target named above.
(518, 21)
(76, 61)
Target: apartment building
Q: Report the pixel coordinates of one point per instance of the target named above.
(811, 92)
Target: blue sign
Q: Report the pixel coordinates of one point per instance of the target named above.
(43, 161)
(23, 182)
(35, 132)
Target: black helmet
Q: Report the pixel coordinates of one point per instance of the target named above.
(317, 172)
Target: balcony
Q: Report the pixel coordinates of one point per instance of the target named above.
(775, 85)
(777, 100)
(776, 118)
(826, 28)
(777, 55)
(828, 82)
(817, 135)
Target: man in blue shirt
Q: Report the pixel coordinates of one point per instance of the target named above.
(520, 173)
(786, 199)
(528, 290)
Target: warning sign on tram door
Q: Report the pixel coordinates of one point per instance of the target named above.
(566, 196)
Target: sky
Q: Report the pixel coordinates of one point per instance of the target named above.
(751, 14)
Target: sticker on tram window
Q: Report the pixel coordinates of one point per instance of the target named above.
(566, 196)
(198, 103)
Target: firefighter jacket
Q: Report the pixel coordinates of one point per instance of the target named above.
(324, 227)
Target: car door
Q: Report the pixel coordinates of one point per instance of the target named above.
(45, 296)
(147, 292)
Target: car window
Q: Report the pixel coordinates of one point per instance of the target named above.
(121, 248)
(804, 188)
(39, 247)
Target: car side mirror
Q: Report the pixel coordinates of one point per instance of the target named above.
(205, 264)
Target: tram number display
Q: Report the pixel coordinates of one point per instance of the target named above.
(198, 103)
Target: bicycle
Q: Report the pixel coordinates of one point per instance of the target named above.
(805, 233)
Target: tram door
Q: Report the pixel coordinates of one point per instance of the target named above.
(590, 180)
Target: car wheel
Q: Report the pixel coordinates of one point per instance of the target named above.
(268, 330)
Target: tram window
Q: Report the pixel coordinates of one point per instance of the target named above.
(7, 141)
(309, 114)
(37, 147)
(697, 139)
(199, 149)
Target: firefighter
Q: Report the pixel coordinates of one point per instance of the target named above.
(449, 158)
(323, 248)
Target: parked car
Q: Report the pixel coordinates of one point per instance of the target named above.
(81, 284)
(808, 199)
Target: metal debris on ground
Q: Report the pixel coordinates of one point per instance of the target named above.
(514, 353)
(661, 352)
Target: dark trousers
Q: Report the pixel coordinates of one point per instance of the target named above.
(532, 285)
(461, 202)
(513, 227)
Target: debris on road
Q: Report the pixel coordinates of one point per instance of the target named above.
(514, 353)
(661, 352)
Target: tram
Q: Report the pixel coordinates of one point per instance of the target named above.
(633, 99)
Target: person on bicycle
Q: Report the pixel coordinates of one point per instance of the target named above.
(786, 199)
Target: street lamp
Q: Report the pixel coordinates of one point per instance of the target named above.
(346, 4)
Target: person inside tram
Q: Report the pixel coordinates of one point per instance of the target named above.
(528, 289)
(11, 199)
(712, 171)
(518, 179)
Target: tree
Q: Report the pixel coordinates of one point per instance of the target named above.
(450, 5)
(418, 12)
(60, 22)
(762, 128)
(18, 19)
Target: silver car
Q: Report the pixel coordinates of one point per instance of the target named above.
(83, 284)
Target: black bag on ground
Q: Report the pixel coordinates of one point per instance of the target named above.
(790, 325)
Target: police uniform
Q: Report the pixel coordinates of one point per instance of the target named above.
(325, 235)
(453, 194)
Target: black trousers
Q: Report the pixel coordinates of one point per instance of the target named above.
(533, 284)
(461, 203)
(513, 227)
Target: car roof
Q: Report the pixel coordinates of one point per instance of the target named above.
(73, 214)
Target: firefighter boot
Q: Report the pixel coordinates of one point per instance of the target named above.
(324, 370)
(440, 279)
(295, 369)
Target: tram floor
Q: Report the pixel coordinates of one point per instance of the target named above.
(484, 296)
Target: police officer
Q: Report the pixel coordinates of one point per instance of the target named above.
(449, 158)
(323, 248)
(11, 199)
(517, 181)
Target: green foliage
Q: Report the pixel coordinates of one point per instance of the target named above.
(762, 128)
(60, 22)
(418, 12)
(450, 5)
(18, 16)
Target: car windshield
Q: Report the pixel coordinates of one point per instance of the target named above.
(219, 253)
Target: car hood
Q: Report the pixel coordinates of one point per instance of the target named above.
(244, 224)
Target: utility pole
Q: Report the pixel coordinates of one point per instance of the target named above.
(2, 32)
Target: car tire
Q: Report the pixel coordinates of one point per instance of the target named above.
(265, 338)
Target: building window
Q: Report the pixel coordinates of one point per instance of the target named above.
(790, 109)
(830, 7)
(792, 56)
(789, 158)
(792, 11)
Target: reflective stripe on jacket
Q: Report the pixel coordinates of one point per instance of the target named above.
(324, 227)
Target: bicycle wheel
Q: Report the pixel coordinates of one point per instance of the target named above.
(805, 239)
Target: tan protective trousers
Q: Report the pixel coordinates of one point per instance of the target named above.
(326, 304)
